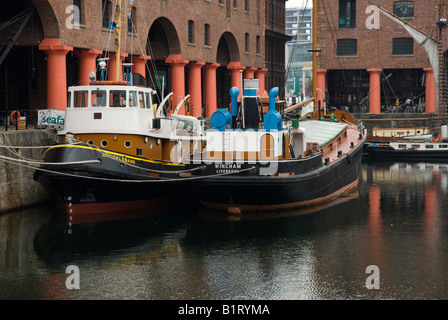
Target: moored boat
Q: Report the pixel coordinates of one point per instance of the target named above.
(409, 150)
(119, 152)
(269, 166)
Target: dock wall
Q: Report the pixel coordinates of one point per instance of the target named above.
(17, 187)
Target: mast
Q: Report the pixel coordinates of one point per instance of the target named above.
(442, 23)
(118, 30)
(314, 79)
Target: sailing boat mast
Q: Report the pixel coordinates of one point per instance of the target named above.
(314, 79)
(442, 23)
(118, 30)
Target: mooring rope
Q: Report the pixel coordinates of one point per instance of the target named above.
(32, 161)
(49, 163)
(153, 179)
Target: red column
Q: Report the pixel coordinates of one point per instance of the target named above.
(211, 100)
(56, 72)
(375, 91)
(235, 75)
(177, 66)
(320, 85)
(140, 64)
(259, 74)
(249, 73)
(430, 95)
(111, 72)
(87, 64)
(195, 87)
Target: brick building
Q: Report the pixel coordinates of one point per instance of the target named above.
(196, 47)
(275, 40)
(368, 69)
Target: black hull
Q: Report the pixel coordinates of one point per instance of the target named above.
(300, 183)
(116, 187)
(389, 153)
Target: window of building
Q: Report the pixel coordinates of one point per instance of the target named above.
(131, 21)
(190, 31)
(246, 42)
(77, 11)
(234, 4)
(403, 46)
(106, 13)
(347, 47)
(207, 35)
(221, 2)
(347, 13)
(258, 45)
(246, 5)
(404, 9)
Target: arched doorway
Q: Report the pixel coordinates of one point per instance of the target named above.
(162, 41)
(227, 52)
(23, 83)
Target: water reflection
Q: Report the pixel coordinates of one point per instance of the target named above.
(219, 226)
(397, 221)
(406, 225)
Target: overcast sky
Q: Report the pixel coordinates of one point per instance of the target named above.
(298, 3)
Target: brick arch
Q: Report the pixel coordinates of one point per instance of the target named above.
(50, 25)
(163, 39)
(227, 50)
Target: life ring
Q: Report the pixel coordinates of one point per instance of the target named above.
(433, 140)
(12, 120)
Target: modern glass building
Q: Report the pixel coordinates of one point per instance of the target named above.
(298, 24)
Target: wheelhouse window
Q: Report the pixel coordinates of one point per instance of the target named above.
(148, 100)
(402, 46)
(347, 13)
(141, 100)
(117, 98)
(347, 47)
(99, 98)
(404, 9)
(80, 99)
(133, 98)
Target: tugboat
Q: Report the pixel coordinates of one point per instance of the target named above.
(116, 162)
(118, 156)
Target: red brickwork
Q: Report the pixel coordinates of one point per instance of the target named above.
(91, 35)
(374, 46)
